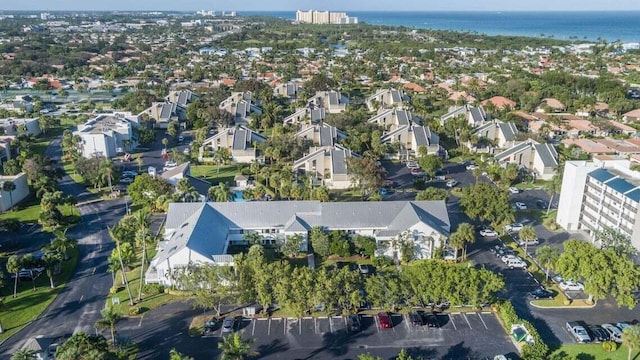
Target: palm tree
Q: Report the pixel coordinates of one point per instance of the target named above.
(124, 275)
(527, 234)
(175, 355)
(463, 235)
(106, 171)
(547, 257)
(24, 354)
(221, 156)
(62, 244)
(109, 319)
(51, 260)
(220, 193)
(9, 186)
(631, 338)
(142, 235)
(234, 348)
(165, 142)
(14, 264)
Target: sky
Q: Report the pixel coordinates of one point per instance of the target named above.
(333, 5)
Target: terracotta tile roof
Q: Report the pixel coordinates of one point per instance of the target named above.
(414, 87)
(500, 102)
(632, 113)
(589, 146)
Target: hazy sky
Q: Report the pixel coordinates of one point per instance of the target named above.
(382, 5)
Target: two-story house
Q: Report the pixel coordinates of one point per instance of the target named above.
(239, 140)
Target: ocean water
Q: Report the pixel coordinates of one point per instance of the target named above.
(608, 25)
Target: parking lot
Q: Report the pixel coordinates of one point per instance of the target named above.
(459, 335)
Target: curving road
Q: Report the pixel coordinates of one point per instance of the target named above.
(78, 305)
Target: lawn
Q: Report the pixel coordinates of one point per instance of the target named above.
(29, 304)
(593, 351)
(345, 195)
(210, 173)
(31, 213)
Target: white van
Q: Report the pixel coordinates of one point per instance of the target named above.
(516, 264)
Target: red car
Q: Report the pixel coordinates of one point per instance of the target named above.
(385, 320)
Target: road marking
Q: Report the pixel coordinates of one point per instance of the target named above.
(375, 319)
(140, 322)
(330, 326)
(269, 328)
(483, 323)
(94, 271)
(452, 322)
(406, 322)
(81, 297)
(467, 320)
(315, 325)
(300, 327)
(253, 330)
(284, 329)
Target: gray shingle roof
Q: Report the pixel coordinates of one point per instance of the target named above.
(508, 130)
(403, 117)
(514, 150)
(547, 154)
(395, 96)
(338, 161)
(421, 135)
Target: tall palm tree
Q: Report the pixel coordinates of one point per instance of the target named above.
(220, 193)
(547, 257)
(51, 260)
(106, 171)
(234, 348)
(62, 244)
(463, 235)
(14, 264)
(175, 355)
(124, 275)
(143, 235)
(9, 186)
(109, 319)
(631, 338)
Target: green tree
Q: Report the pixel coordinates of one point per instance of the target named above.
(110, 318)
(165, 142)
(369, 357)
(81, 346)
(9, 186)
(365, 174)
(429, 163)
(547, 257)
(527, 234)
(221, 156)
(432, 193)
(486, 202)
(173, 127)
(146, 190)
(175, 355)
(14, 264)
(143, 237)
(467, 235)
(631, 338)
(291, 246)
(234, 348)
(24, 354)
(611, 238)
(62, 244)
(119, 254)
(320, 241)
(51, 261)
(220, 193)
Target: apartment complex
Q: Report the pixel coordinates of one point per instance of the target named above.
(324, 17)
(108, 135)
(596, 195)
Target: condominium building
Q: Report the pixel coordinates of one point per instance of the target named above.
(108, 135)
(598, 195)
(324, 17)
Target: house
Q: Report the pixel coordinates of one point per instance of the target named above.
(9, 199)
(492, 134)
(197, 233)
(7, 152)
(321, 134)
(385, 99)
(288, 90)
(620, 128)
(182, 98)
(311, 114)
(326, 165)
(165, 112)
(20, 104)
(415, 88)
(620, 147)
(411, 138)
(476, 116)
(241, 181)
(239, 140)
(589, 146)
(633, 115)
(500, 102)
(551, 105)
(241, 105)
(183, 171)
(39, 347)
(332, 101)
(17, 126)
(108, 135)
(392, 119)
(541, 159)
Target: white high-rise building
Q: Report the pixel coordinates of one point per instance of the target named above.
(324, 17)
(597, 195)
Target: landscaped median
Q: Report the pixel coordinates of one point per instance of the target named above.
(536, 349)
(592, 351)
(15, 313)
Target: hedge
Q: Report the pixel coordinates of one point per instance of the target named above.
(538, 350)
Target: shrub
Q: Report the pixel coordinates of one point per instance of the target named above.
(382, 261)
(11, 225)
(340, 247)
(609, 346)
(537, 350)
(134, 311)
(153, 289)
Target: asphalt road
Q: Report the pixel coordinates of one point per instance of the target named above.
(78, 306)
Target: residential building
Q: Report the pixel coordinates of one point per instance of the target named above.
(181, 98)
(241, 105)
(411, 138)
(385, 99)
(183, 171)
(197, 233)
(551, 105)
(326, 165)
(239, 140)
(540, 159)
(7, 152)
(500, 102)
(17, 126)
(621, 147)
(494, 134)
(633, 115)
(589, 146)
(321, 134)
(288, 90)
(108, 134)
(165, 112)
(324, 17)
(21, 191)
(20, 104)
(598, 195)
(332, 101)
(392, 119)
(476, 116)
(310, 114)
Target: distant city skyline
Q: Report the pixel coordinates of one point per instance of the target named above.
(332, 5)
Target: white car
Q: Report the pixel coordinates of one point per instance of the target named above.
(614, 333)
(509, 257)
(451, 183)
(412, 165)
(530, 242)
(513, 227)
(129, 173)
(170, 164)
(472, 167)
(126, 180)
(186, 151)
(516, 264)
(521, 206)
(514, 190)
(488, 233)
(571, 286)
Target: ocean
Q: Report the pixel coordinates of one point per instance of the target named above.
(586, 25)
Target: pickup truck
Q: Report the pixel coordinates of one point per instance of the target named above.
(579, 331)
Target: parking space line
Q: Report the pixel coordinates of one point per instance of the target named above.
(315, 325)
(375, 319)
(467, 320)
(269, 328)
(330, 326)
(406, 322)
(284, 329)
(253, 330)
(483, 323)
(452, 322)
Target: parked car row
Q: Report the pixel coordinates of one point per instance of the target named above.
(584, 333)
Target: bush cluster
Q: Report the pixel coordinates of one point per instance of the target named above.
(537, 350)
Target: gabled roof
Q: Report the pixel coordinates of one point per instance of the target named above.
(37, 344)
(201, 186)
(180, 169)
(296, 224)
(547, 153)
(508, 130)
(513, 150)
